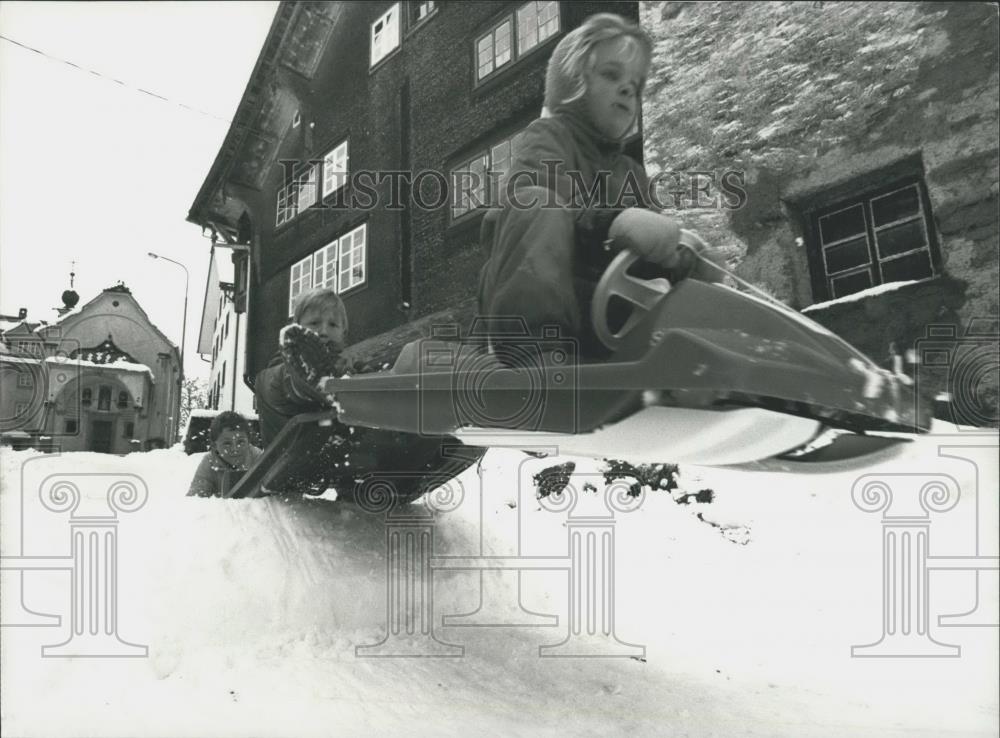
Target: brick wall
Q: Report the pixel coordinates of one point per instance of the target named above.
(419, 110)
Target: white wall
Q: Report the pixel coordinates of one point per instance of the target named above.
(228, 365)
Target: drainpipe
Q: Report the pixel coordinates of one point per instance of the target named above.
(236, 357)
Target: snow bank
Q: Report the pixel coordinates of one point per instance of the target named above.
(746, 607)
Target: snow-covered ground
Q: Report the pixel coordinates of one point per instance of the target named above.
(747, 608)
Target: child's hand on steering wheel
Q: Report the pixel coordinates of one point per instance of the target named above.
(657, 239)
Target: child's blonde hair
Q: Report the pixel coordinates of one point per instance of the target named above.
(565, 79)
(319, 298)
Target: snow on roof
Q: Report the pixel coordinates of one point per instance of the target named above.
(7, 326)
(119, 365)
(67, 314)
(854, 297)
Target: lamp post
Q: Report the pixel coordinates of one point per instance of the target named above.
(183, 324)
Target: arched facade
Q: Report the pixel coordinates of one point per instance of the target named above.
(103, 378)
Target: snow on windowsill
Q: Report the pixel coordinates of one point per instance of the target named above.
(864, 294)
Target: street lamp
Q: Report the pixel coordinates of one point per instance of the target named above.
(184, 323)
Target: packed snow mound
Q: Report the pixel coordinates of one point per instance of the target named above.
(744, 608)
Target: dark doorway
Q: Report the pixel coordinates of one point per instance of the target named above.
(100, 436)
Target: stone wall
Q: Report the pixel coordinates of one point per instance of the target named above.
(805, 99)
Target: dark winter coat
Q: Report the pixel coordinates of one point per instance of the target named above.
(544, 260)
(278, 400)
(215, 476)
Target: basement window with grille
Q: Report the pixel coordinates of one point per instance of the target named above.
(885, 235)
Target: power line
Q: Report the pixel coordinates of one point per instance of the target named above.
(116, 81)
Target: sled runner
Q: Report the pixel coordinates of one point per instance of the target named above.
(314, 452)
(700, 373)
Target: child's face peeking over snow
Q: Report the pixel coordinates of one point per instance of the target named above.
(231, 445)
(325, 320)
(613, 85)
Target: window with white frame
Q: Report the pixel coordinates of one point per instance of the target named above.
(21, 408)
(353, 248)
(307, 188)
(534, 22)
(385, 35)
(340, 265)
(300, 280)
(476, 182)
(297, 196)
(493, 49)
(420, 9)
(469, 182)
(24, 379)
(287, 204)
(878, 238)
(335, 169)
(32, 348)
(325, 265)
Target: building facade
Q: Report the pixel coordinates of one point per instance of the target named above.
(101, 378)
(352, 155)
(222, 337)
(858, 143)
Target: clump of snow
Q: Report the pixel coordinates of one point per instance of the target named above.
(253, 610)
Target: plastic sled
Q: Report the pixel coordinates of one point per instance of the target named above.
(314, 452)
(699, 373)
